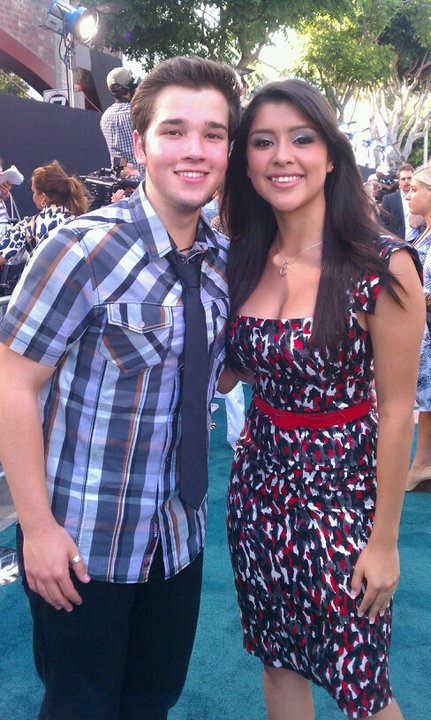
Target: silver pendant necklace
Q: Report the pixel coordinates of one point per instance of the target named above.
(285, 263)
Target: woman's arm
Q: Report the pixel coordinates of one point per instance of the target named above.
(396, 334)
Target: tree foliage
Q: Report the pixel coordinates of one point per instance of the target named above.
(11, 84)
(380, 48)
(343, 55)
(233, 31)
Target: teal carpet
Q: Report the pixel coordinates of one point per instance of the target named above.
(224, 683)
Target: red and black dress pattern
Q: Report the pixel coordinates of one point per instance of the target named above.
(301, 507)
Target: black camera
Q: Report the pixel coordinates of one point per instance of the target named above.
(388, 184)
(133, 84)
(103, 183)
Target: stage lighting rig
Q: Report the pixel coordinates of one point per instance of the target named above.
(78, 23)
(73, 24)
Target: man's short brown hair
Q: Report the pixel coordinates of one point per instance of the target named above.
(405, 167)
(189, 72)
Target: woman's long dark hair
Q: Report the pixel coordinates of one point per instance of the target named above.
(351, 236)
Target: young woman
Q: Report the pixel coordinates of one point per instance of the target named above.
(419, 199)
(58, 198)
(317, 298)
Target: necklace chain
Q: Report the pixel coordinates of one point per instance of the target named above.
(285, 262)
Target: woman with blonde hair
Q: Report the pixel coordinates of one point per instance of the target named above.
(58, 198)
(419, 199)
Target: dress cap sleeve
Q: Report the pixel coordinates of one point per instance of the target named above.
(367, 290)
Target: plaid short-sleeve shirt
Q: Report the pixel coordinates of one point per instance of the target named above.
(116, 125)
(100, 303)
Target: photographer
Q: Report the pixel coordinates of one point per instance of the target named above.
(115, 122)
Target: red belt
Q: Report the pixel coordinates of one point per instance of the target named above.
(316, 421)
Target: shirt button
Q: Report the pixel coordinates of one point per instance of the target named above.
(141, 324)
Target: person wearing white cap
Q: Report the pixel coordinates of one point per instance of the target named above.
(115, 122)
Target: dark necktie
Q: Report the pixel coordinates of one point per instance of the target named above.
(194, 438)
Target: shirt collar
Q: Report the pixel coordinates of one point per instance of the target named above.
(404, 201)
(156, 236)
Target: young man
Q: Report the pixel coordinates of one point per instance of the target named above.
(112, 553)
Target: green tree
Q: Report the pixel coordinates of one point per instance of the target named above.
(404, 101)
(342, 55)
(232, 31)
(419, 154)
(11, 84)
(379, 49)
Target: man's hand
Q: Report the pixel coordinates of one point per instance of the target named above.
(48, 556)
(4, 190)
(118, 195)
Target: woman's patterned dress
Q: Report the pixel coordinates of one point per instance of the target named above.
(301, 507)
(21, 239)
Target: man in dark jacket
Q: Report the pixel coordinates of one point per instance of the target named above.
(395, 210)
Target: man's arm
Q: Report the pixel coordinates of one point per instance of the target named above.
(48, 548)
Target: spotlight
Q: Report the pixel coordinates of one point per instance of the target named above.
(80, 23)
(55, 18)
(84, 25)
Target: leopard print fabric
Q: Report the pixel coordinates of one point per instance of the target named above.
(301, 507)
(23, 237)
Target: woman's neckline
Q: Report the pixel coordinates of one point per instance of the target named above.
(268, 319)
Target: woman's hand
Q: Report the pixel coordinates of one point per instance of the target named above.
(378, 568)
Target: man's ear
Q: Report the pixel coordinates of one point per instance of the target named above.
(138, 147)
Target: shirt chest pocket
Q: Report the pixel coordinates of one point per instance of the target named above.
(137, 335)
